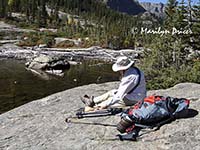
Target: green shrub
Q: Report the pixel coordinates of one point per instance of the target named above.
(65, 44)
(34, 38)
(168, 77)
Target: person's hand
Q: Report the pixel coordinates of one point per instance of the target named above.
(100, 107)
(88, 109)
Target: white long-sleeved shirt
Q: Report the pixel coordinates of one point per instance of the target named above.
(128, 82)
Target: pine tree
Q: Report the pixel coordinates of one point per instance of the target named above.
(171, 12)
(195, 40)
(42, 13)
(3, 8)
(182, 15)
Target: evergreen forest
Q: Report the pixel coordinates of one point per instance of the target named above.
(167, 60)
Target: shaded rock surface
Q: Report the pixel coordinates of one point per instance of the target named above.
(134, 7)
(130, 7)
(154, 8)
(41, 124)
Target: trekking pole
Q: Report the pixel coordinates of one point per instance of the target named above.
(74, 121)
(99, 113)
(143, 126)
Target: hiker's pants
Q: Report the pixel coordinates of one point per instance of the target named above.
(106, 100)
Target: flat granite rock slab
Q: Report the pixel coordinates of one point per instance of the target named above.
(40, 125)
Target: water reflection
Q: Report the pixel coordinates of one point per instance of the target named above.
(19, 86)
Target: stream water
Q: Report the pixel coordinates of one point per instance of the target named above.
(19, 86)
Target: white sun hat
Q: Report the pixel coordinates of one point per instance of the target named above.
(122, 63)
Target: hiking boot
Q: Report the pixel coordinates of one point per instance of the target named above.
(88, 100)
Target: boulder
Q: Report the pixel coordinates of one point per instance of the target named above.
(49, 64)
(43, 59)
(59, 40)
(65, 42)
(36, 65)
(41, 124)
(48, 30)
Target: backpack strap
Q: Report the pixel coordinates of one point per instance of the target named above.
(139, 73)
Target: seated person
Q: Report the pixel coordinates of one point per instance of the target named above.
(132, 88)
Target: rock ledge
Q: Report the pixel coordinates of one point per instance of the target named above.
(41, 124)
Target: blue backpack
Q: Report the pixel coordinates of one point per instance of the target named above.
(151, 112)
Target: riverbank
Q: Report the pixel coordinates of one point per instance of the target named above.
(16, 52)
(41, 124)
(12, 36)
